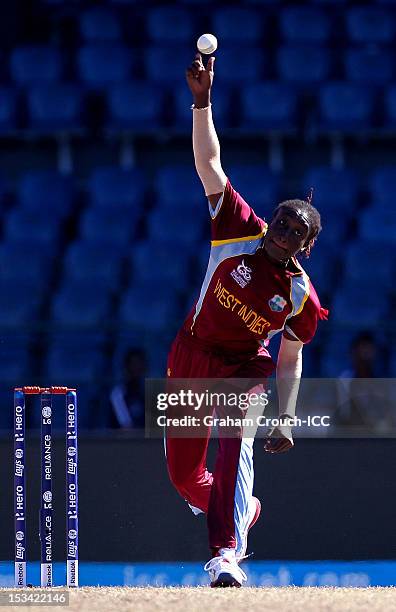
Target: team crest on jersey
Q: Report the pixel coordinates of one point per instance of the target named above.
(242, 274)
(277, 303)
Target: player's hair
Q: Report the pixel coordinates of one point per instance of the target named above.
(313, 217)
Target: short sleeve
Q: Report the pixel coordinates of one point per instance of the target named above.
(303, 325)
(234, 218)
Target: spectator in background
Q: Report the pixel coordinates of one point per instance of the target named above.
(363, 403)
(127, 398)
(363, 357)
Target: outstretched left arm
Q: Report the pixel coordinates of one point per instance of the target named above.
(288, 374)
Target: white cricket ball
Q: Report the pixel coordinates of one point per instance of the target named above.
(207, 43)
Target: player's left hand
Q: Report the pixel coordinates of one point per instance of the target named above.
(279, 439)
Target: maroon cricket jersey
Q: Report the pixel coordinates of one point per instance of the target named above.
(246, 299)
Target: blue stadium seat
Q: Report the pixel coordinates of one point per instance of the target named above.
(103, 65)
(201, 260)
(42, 191)
(360, 306)
(323, 179)
(162, 287)
(57, 107)
(4, 190)
(124, 342)
(14, 342)
(19, 303)
(170, 24)
(19, 261)
(390, 107)
(183, 230)
(174, 269)
(99, 24)
(382, 186)
(257, 185)
(238, 24)
(321, 267)
(8, 110)
(334, 227)
(113, 188)
(336, 353)
(369, 65)
(305, 24)
(364, 260)
(84, 371)
(345, 106)
(80, 305)
(176, 58)
(107, 227)
(378, 224)
(157, 359)
(35, 64)
(269, 106)
(306, 64)
(178, 188)
(392, 364)
(86, 366)
(147, 312)
(136, 106)
(182, 118)
(88, 340)
(15, 368)
(89, 262)
(232, 67)
(370, 24)
(29, 227)
(193, 290)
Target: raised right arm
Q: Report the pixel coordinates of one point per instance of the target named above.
(206, 145)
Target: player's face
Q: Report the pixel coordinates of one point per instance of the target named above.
(286, 234)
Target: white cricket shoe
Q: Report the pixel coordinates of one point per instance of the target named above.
(224, 570)
(255, 510)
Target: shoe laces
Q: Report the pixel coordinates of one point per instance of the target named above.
(215, 562)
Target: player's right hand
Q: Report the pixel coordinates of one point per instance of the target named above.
(278, 445)
(280, 439)
(199, 78)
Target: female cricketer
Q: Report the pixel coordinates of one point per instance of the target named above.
(254, 288)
